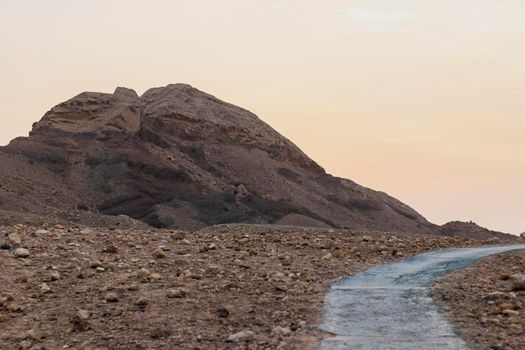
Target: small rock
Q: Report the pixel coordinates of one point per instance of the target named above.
(83, 314)
(5, 246)
(111, 297)
(281, 287)
(14, 239)
(281, 331)
(223, 312)
(95, 264)
(25, 344)
(176, 293)
(55, 276)
(143, 273)
(21, 253)
(110, 249)
(178, 235)
(41, 232)
(510, 312)
(241, 336)
(155, 276)
(44, 288)
(518, 282)
(159, 253)
(142, 301)
(327, 256)
(278, 276)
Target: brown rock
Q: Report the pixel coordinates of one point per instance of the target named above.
(158, 253)
(176, 293)
(518, 282)
(111, 297)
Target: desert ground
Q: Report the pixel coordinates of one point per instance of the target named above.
(486, 302)
(65, 286)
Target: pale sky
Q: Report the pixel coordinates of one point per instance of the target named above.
(421, 99)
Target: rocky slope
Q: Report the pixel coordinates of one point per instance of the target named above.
(487, 301)
(178, 157)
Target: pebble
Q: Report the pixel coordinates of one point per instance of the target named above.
(55, 276)
(223, 312)
(14, 239)
(44, 288)
(159, 253)
(518, 282)
(21, 253)
(142, 301)
(83, 314)
(5, 246)
(241, 336)
(110, 249)
(41, 232)
(176, 293)
(327, 256)
(284, 331)
(111, 297)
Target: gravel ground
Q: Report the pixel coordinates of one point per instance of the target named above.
(486, 302)
(224, 287)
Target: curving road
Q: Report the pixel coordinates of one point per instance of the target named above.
(388, 307)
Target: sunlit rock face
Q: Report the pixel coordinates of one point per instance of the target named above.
(178, 157)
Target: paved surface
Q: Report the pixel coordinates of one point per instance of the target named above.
(388, 307)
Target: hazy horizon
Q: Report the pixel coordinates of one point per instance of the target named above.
(420, 99)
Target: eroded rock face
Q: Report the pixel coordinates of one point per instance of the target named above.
(178, 157)
(94, 112)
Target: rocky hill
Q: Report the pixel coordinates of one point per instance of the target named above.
(177, 157)
(468, 229)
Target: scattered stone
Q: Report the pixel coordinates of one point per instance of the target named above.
(510, 312)
(5, 246)
(243, 336)
(79, 322)
(14, 239)
(55, 276)
(223, 312)
(83, 314)
(111, 297)
(41, 232)
(159, 253)
(45, 288)
(327, 256)
(21, 253)
(142, 301)
(155, 276)
(143, 273)
(176, 293)
(281, 287)
(178, 235)
(518, 282)
(110, 249)
(281, 331)
(95, 264)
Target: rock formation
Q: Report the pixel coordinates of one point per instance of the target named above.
(178, 157)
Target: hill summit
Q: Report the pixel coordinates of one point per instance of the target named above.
(177, 157)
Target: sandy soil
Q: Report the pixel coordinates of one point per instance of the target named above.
(82, 288)
(485, 304)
